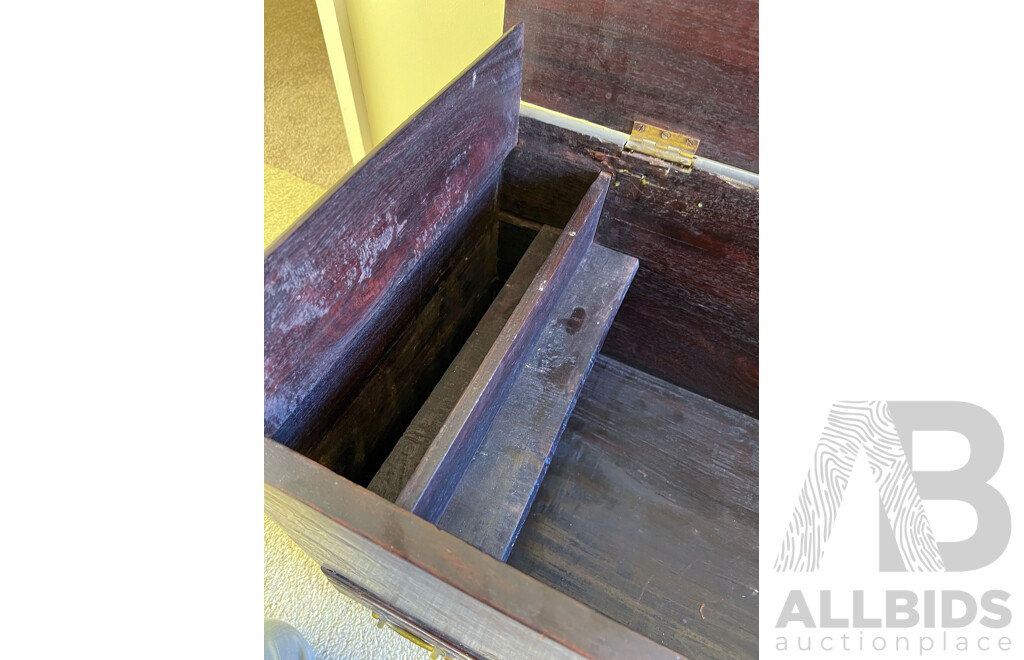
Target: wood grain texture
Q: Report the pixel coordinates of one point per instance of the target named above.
(469, 599)
(689, 66)
(691, 315)
(356, 437)
(650, 509)
(407, 453)
(493, 498)
(434, 481)
(399, 621)
(339, 287)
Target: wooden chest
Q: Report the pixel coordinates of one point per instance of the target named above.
(511, 360)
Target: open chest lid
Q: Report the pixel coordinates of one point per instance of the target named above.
(687, 66)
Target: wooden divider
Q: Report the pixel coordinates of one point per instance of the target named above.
(437, 475)
(407, 453)
(493, 498)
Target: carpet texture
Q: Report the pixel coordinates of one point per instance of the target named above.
(303, 132)
(285, 198)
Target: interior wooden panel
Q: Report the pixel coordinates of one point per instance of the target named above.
(444, 463)
(691, 314)
(342, 285)
(493, 498)
(687, 66)
(649, 514)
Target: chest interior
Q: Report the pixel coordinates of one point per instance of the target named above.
(545, 345)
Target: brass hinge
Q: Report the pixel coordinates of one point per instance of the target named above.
(664, 144)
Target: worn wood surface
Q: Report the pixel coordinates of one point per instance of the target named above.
(401, 622)
(689, 66)
(426, 575)
(649, 510)
(691, 315)
(424, 427)
(432, 484)
(357, 437)
(341, 285)
(493, 498)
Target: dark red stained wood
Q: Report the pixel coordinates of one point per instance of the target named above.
(428, 491)
(339, 287)
(691, 315)
(430, 577)
(356, 438)
(688, 65)
(493, 498)
(650, 509)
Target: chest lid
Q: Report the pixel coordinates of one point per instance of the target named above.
(689, 66)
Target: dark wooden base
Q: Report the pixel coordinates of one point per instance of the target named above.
(649, 510)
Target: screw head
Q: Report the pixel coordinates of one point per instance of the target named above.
(665, 135)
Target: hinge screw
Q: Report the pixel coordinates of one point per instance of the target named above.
(665, 135)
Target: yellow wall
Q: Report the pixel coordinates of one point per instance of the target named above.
(408, 50)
